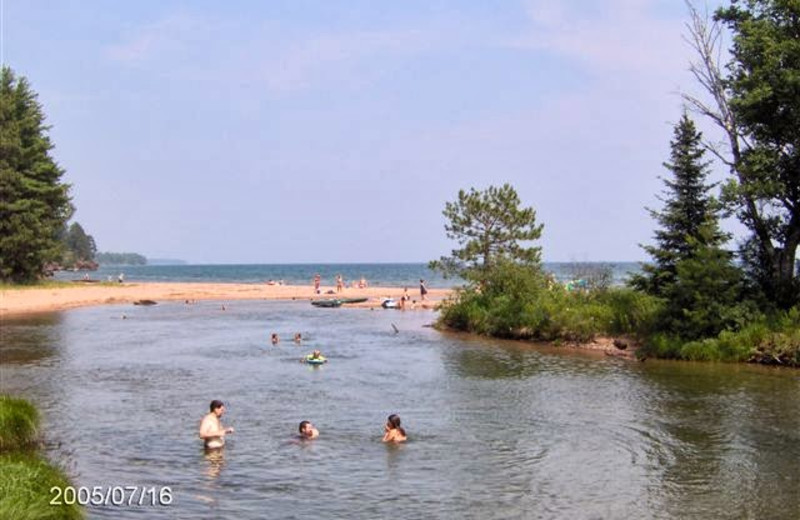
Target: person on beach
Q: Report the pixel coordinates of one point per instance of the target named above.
(317, 280)
(307, 431)
(393, 432)
(362, 284)
(422, 289)
(211, 430)
(274, 338)
(339, 283)
(298, 338)
(121, 278)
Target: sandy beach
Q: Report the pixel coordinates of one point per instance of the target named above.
(47, 299)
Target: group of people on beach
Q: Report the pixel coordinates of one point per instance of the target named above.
(213, 433)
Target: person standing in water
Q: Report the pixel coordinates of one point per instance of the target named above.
(211, 430)
(307, 431)
(393, 432)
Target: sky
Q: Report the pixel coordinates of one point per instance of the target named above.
(316, 131)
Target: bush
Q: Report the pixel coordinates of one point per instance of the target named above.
(25, 489)
(19, 423)
(517, 303)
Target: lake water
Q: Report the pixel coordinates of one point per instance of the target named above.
(496, 429)
(387, 275)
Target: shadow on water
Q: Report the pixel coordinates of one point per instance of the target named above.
(30, 339)
(729, 438)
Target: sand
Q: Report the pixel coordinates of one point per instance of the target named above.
(47, 299)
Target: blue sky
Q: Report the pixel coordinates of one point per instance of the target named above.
(269, 132)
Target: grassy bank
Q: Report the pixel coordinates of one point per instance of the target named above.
(772, 340)
(518, 305)
(25, 476)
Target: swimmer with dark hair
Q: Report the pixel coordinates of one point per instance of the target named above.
(393, 432)
(307, 430)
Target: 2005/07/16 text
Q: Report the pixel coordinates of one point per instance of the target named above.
(128, 496)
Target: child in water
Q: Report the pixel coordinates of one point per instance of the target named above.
(393, 432)
(315, 357)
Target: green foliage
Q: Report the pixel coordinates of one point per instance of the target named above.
(689, 219)
(121, 259)
(35, 203)
(19, 423)
(690, 270)
(489, 226)
(517, 302)
(26, 478)
(762, 91)
(773, 339)
(25, 489)
(79, 247)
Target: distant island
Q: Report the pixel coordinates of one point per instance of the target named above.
(120, 259)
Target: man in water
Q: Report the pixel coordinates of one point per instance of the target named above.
(307, 430)
(211, 430)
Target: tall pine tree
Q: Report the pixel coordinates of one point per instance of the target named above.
(690, 268)
(34, 203)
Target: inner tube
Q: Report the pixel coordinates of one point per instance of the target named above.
(317, 361)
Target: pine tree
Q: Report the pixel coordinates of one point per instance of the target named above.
(492, 228)
(690, 268)
(34, 203)
(688, 207)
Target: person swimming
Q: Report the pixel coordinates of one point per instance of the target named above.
(298, 338)
(393, 432)
(274, 338)
(315, 357)
(211, 430)
(307, 431)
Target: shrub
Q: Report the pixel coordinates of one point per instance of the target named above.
(19, 422)
(25, 489)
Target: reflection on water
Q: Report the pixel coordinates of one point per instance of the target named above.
(29, 340)
(496, 429)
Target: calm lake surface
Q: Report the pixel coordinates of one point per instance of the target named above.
(496, 429)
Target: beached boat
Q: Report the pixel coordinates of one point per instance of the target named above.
(353, 300)
(326, 303)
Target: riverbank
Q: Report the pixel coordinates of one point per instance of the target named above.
(26, 489)
(28, 300)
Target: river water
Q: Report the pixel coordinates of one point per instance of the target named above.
(496, 429)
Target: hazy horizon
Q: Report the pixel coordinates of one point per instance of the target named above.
(289, 132)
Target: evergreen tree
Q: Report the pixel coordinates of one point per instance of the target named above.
(80, 247)
(755, 101)
(688, 208)
(490, 226)
(690, 269)
(34, 203)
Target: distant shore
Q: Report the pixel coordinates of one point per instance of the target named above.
(28, 300)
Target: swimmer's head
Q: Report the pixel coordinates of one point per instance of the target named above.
(217, 405)
(303, 426)
(394, 421)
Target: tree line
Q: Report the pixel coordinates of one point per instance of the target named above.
(695, 298)
(36, 235)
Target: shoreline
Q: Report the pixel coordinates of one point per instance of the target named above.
(34, 300)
